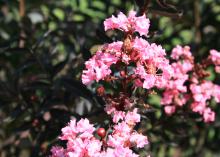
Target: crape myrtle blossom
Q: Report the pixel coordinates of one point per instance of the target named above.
(175, 91)
(199, 92)
(128, 24)
(81, 139)
(98, 67)
(149, 59)
(215, 57)
(135, 63)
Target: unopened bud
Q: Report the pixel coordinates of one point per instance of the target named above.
(122, 73)
(101, 132)
(33, 98)
(35, 122)
(100, 91)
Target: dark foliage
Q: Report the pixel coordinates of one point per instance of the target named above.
(42, 51)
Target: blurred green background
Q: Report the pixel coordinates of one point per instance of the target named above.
(43, 45)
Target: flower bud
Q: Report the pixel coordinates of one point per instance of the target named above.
(122, 73)
(35, 122)
(101, 132)
(33, 98)
(100, 91)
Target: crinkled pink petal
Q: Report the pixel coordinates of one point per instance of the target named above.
(170, 109)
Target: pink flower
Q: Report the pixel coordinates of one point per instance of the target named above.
(70, 131)
(81, 148)
(198, 107)
(138, 83)
(146, 50)
(140, 71)
(118, 152)
(131, 23)
(142, 25)
(170, 109)
(132, 117)
(114, 48)
(217, 69)
(123, 152)
(149, 81)
(118, 115)
(215, 57)
(117, 140)
(208, 115)
(119, 22)
(85, 128)
(168, 96)
(93, 147)
(98, 67)
(179, 51)
(57, 151)
(216, 93)
(122, 128)
(139, 140)
(202, 92)
(109, 109)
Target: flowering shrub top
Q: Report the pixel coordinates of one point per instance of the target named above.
(135, 63)
(198, 91)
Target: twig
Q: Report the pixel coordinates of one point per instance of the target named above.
(197, 23)
(22, 14)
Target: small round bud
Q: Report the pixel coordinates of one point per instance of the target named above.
(122, 73)
(101, 132)
(33, 98)
(35, 122)
(100, 91)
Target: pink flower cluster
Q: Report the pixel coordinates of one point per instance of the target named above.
(134, 62)
(81, 136)
(81, 139)
(128, 24)
(200, 91)
(152, 68)
(172, 96)
(215, 57)
(123, 134)
(151, 59)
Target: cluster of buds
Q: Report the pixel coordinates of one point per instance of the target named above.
(131, 64)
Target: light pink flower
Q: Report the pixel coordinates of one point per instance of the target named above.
(149, 81)
(123, 152)
(118, 115)
(131, 23)
(70, 131)
(208, 115)
(119, 22)
(57, 151)
(216, 93)
(98, 67)
(198, 107)
(132, 117)
(85, 128)
(179, 51)
(170, 109)
(215, 57)
(139, 140)
(122, 128)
